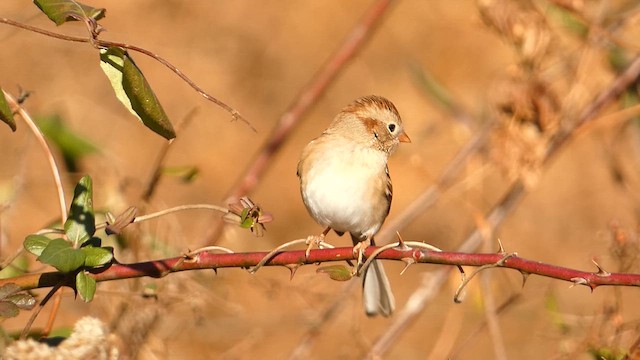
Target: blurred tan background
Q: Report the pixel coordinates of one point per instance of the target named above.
(256, 57)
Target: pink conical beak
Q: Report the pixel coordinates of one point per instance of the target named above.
(404, 138)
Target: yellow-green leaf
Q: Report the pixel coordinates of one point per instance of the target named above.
(185, 173)
(134, 92)
(36, 243)
(6, 115)
(96, 256)
(16, 268)
(336, 272)
(61, 11)
(85, 286)
(81, 223)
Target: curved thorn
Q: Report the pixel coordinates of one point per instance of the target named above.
(407, 262)
(579, 281)
(292, 270)
(525, 277)
(601, 271)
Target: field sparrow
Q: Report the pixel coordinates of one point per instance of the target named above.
(345, 183)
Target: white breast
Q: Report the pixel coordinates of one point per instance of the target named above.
(344, 188)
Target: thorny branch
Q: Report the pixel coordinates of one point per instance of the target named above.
(205, 260)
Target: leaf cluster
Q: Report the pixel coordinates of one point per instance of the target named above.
(79, 250)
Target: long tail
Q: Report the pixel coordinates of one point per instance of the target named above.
(376, 291)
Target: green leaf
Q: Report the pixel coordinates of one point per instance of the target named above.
(16, 268)
(61, 332)
(81, 223)
(86, 286)
(336, 272)
(96, 256)
(134, 92)
(185, 173)
(36, 243)
(61, 11)
(6, 115)
(72, 145)
(61, 255)
(245, 220)
(8, 309)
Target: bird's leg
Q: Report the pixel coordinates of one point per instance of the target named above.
(360, 248)
(315, 240)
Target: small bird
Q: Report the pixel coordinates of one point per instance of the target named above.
(345, 183)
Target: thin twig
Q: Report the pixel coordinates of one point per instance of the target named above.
(34, 315)
(150, 216)
(181, 208)
(47, 151)
(195, 252)
(190, 256)
(106, 44)
(275, 251)
(468, 279)
(57, 178)
(374, 255)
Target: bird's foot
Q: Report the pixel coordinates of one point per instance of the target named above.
(312, 240)
(359, 249)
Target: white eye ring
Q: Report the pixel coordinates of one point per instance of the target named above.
(392, 127)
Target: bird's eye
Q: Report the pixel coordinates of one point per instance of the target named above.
(392, 127)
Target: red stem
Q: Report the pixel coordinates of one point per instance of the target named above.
(160, 268)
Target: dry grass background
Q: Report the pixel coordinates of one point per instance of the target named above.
(256, 56)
